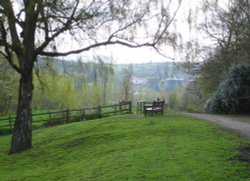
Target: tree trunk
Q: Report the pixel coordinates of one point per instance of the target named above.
(22, 133)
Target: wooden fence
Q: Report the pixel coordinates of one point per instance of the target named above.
(140, 106)
(67, 116)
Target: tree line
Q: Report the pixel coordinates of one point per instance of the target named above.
(223, 56)
(60, 84)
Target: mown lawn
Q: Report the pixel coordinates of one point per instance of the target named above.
(170, 147)
(45, 118)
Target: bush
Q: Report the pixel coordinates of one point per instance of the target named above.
(233, 94)
(173, 99)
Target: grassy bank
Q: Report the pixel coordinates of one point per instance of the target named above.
(169, 147)
(45, 118)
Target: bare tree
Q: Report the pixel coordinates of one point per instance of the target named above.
(32, 28)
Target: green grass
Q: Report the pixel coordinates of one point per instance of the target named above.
(58, 117)
(170, 147)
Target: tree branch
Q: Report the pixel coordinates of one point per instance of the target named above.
(168, 24)
(162, 54)
(105, 43)
(60, 31)
(7, 48)
(8, 11)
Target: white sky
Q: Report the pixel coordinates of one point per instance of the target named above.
(120, 54)
(124, 55)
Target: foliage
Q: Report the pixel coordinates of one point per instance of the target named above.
(212, 73)
(77, 85)
(188, 97)
(58, 92)
(30, 29)
(233, 94)
(105, 71)
(153, 148)
(173, 99)
(192, 98)
(126, 90)
(8, 88)
(228, 26)
(85, 83)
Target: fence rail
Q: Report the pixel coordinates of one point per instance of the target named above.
(67, 116)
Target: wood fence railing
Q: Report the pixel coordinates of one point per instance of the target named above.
(67, 116)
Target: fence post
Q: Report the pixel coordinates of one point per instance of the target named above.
(130, 106)
(120, 106)
(98, 111)
(10, 122)
(67, 115)
(49, 115)
(83, 114)
(115, 109)
(138, 104)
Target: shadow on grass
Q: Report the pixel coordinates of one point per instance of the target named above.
(243, 156)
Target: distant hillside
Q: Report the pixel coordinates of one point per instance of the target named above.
(150, 75)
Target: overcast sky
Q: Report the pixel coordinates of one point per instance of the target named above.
(120, 54)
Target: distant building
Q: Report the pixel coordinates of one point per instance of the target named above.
(139, 81)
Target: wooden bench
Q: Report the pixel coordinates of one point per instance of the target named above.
(155, 107)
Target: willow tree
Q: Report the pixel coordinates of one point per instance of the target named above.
(32, 28)
(126, 88)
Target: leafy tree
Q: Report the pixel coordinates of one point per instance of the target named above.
(57, 91)
(8, 87)
(233, 94)
(212, 72)
(32, 28)
(192, 98)
(56, 88)
(229, 29)
(173, 99)
(127, 84)
(105, 71)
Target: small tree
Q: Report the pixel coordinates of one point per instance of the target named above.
(127, 83)
(173, 98)
(105, 71)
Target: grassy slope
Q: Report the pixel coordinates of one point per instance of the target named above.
(170, 147)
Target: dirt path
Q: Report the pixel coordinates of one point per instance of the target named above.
(240, 128)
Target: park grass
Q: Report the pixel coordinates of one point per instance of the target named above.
(46, 118)
(169, 147)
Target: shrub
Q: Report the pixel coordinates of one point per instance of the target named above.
(233, 94)
(173, 99)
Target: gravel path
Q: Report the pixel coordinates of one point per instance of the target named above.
(240, 128)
